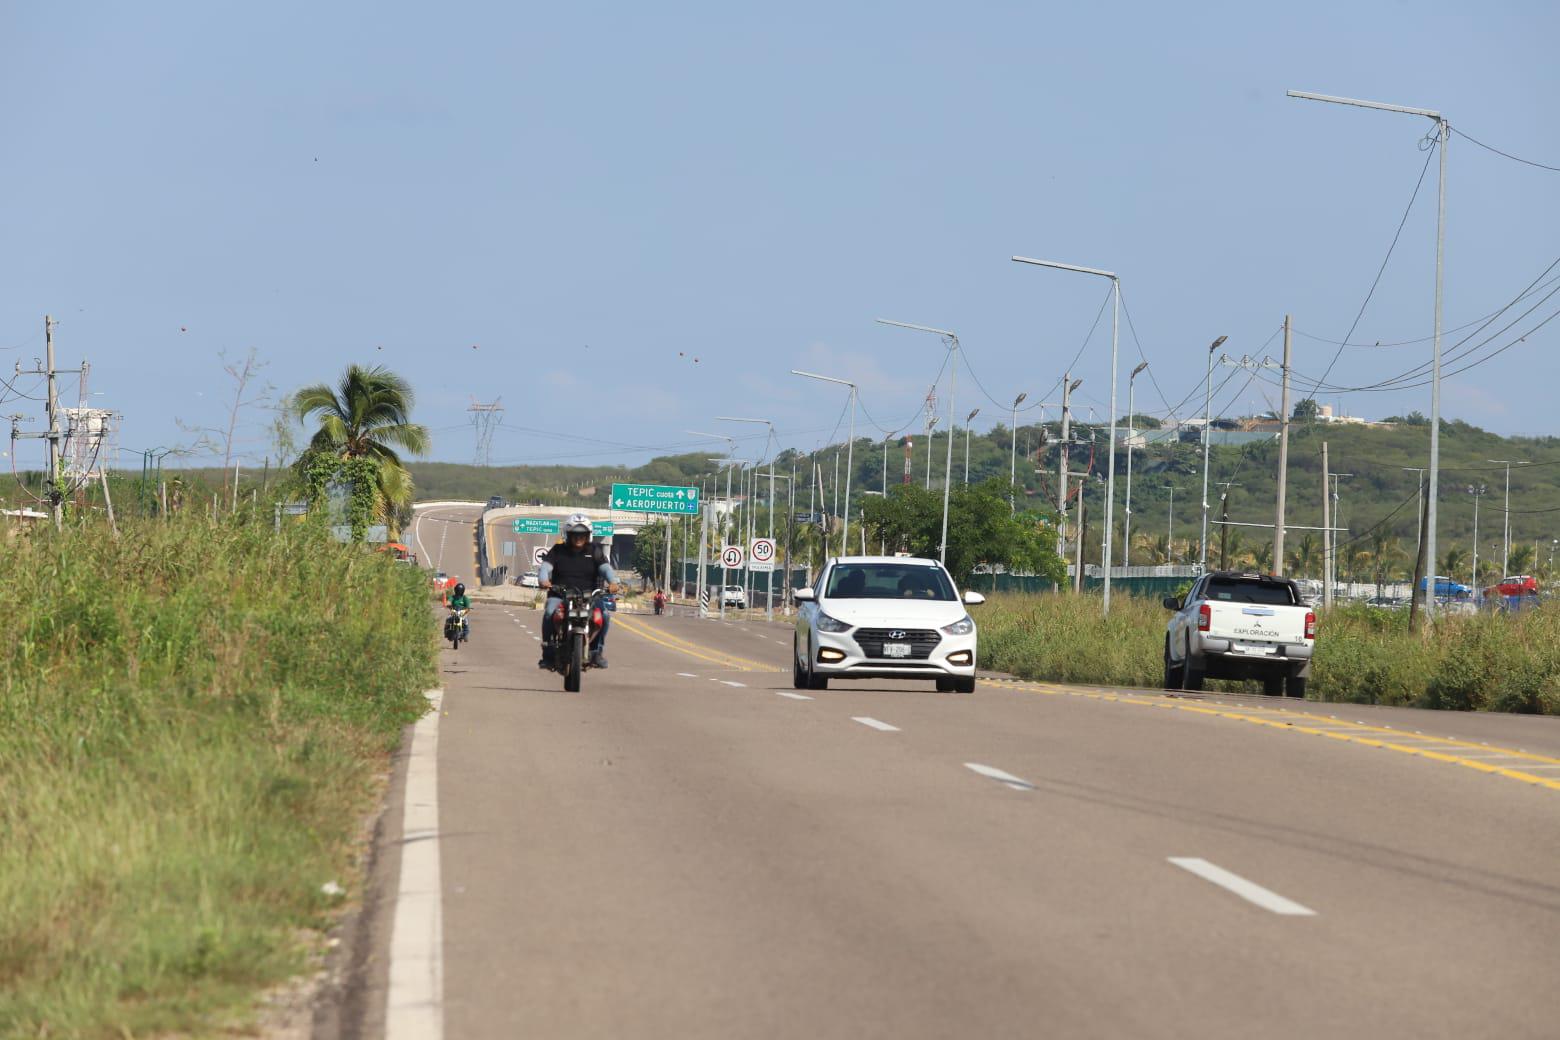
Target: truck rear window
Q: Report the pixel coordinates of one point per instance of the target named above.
(1270, 593)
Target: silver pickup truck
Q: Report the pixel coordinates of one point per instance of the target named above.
(1240, 626)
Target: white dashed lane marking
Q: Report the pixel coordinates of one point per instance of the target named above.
(877, 724)
(793, 696)
(1001, 776)
(1250, 891)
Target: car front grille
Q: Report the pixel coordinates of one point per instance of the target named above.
(922, 641)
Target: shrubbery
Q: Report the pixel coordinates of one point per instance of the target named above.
(193, 718)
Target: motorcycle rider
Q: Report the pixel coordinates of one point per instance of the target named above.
(575, 563)
(460, 601)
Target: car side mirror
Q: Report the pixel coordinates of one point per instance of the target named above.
(1172, 603)
(804, 595)
(973, 598)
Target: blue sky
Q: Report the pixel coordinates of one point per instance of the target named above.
(562, 205)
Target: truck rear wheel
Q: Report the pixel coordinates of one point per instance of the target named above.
(1172, 671)
(1273, 684)
(1295, 686)
(1191, 674)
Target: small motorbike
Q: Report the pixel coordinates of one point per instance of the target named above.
(456, 628)
(575, 624)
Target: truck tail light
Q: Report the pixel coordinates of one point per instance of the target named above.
(1310, 624)
(1204, 617)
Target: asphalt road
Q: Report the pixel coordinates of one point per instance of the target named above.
(444, 539)
(689, 848)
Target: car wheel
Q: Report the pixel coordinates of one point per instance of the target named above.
(1273, 684)
(1191, 675)
(1295, 686)
(1172, 670)
(814, 680)
(798, 677)
(945, 685)
(964, 685)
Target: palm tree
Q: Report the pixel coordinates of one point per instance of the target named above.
(1305, 555)
(1385, 551)
(1455, 563)
(1521, 559)
(1262, 558)
(367, 416)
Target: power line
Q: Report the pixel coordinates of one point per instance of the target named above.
(1514, 158)
(1532, 288)
(1429, 154)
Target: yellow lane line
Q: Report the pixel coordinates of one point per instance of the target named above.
(1334, 729)
(725, 660)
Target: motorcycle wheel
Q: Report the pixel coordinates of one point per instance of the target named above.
(571, 677)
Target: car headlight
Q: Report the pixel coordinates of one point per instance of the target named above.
(828, 624)
(962, 627)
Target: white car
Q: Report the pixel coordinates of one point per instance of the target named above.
(735, 596)
(530, 580)
(884, 617)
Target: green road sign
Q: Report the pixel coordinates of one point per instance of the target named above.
(532, 525)
(602, 528)
(655, 498)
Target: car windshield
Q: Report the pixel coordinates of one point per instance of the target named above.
(888, 581)
(1234, 590)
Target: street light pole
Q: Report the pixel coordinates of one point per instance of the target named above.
(1013, 458)
(1126, 527)
(850, 449)
(967, 430)
(1443, 135)
(952, 342)
(1110, 482)
(1505, 540)
(1207, 431)
(1169, 524)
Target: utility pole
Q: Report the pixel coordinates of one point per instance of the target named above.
(1337, 523)
(1477, 493)
(1505, 541)
(1068, 386)
(1224, 527)
(967, 431)
(1126, 530)
(1013, 454)
(1169, 524)
(53, 486)
(1419, 532)
(1207, 432)
(1283, 458)
(1082, 530)
(1326, 532)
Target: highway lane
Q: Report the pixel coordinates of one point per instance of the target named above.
(687, 848)
(443, 535)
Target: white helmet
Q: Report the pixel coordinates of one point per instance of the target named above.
(577, 522)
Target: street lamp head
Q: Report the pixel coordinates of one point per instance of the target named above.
(1076, 383)
(1216, 344)
(1064, 267)
(972, 415)
(1135, 371)
(826, 379)
(1019, 399)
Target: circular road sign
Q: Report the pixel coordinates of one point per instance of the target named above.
(731, 556)
(537, 554)
(763, 550)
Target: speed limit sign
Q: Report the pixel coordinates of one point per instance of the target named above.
(731, 557)
(763, 552)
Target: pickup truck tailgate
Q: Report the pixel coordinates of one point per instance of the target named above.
(1257, 623)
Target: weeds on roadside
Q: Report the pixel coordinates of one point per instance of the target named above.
(192, 718)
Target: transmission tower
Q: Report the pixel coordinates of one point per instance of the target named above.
(484, 417)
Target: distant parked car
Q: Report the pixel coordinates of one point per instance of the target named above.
(530, 580)
(735, 596)
(497, 502)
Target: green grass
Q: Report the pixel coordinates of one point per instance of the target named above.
(193, 720)
(1490, 662)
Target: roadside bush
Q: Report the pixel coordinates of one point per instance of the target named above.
(193, 720)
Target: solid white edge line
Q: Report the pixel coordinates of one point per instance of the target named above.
(414, 998)
(1250, 891)
(877, 724)
(793, 696)
(1001, 776)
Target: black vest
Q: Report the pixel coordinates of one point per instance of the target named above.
(575, 570)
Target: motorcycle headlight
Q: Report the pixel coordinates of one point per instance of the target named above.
(962, 627)
(829, 624)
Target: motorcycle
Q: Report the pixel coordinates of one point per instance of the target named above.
(575, 624)
(456, 628)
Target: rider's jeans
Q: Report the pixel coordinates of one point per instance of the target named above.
(551, 606)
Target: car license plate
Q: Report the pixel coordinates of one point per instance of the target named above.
(1246, 648)
(896, 649)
